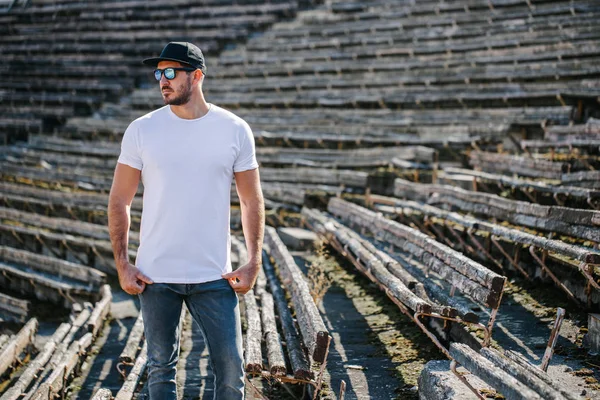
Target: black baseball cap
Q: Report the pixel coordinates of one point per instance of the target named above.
(183, 52)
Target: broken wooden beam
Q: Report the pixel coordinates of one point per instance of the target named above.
(315, 335)
(298, 361)
(534, 371)
(494, 376)
(252, 342)
(18, 343)
(522, 374)
(133, 341)
(56, 382)
(101, 310)
(133, 378)
(272, 338)
(37, 364)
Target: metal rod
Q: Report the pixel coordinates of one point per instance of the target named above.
(586, 270)
(560, 315)
(464, 380)
(457, 236)
(484, 250)
(510, 259)
(342, 390)
(547, 270)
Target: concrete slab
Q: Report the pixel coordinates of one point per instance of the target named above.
(297, 238)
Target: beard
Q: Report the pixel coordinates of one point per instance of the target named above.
(185, 93)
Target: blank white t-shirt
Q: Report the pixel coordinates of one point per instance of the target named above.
(187, 170)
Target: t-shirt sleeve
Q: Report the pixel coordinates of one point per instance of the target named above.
(130, 149)
(246, 159)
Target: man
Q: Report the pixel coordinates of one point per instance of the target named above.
(186, 154)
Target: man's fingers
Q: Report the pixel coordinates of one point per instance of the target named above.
(144, 278)
(229, 275)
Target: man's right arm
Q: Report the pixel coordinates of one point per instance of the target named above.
(122, 192)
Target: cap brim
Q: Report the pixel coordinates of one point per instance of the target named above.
(153, 62)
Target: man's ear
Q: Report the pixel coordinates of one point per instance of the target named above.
(198, 74)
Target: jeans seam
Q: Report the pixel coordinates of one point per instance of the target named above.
(210, 353)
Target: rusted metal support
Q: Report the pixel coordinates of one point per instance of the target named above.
(586, 269)
(342, 390)
(545, 268)
(463, 244)
(560, 315)
(484, 250)
(439, 233)
(509, 258)
(464, 380)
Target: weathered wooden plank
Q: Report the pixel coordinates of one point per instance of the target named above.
(72, 198)
(17, 345)
(61, 374)
(101, 310)
(272, 338)
(133, 341)
(62, 348)
(252, 348)
(523, 375)
(92, 245)
(480, 283)
(40, 361)
(298, 361)
(527, 166)
(535, 185)
(344, 158)
(53, 265)
(509, 386)
(571, 221)
(536, 372)
(325, 176)
(513, 235)
(314, 333)
(328, 228)
(62, 225)
(14, 306)
(131, 382)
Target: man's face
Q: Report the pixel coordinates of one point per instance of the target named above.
(177, 91)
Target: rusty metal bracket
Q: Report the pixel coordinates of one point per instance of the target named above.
(509, 258)
(545, 268)
(464, 380)
(484, 250)
(560, 315)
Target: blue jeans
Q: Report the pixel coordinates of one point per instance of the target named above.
(214, 306)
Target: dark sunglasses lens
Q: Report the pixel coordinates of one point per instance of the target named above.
(169, 73)
(157, 74)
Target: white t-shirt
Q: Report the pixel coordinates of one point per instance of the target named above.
(187, 170)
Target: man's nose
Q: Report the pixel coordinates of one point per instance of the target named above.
(163, 79)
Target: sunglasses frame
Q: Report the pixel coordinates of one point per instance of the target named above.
(175, 69)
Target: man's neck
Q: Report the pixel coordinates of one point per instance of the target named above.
(192, 109)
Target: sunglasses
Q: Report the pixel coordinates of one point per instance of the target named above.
(169, 72)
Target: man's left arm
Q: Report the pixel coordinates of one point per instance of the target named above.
(253, 223)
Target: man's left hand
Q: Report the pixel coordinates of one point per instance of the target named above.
(242, 279)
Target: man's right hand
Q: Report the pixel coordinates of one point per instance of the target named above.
(132, 280)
